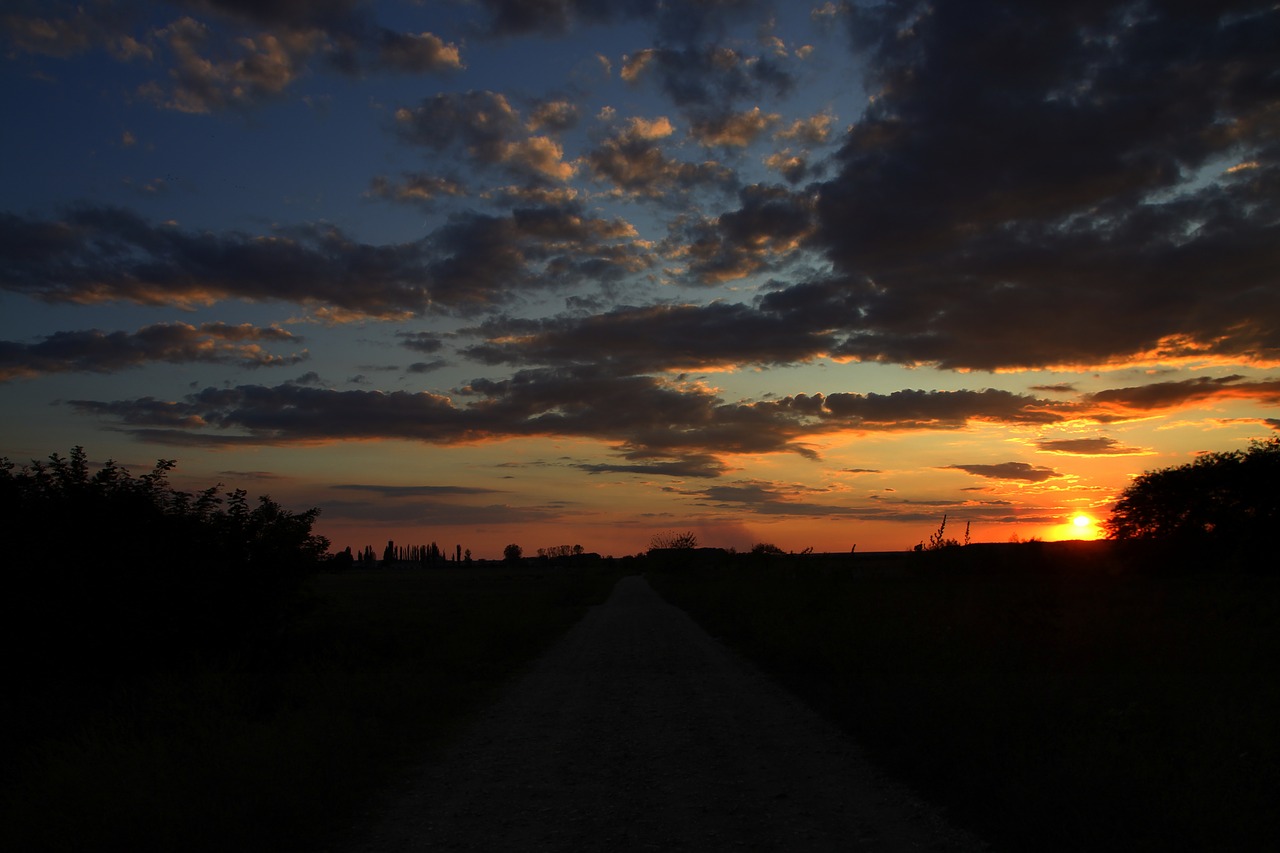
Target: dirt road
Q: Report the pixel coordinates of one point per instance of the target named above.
(638, 731)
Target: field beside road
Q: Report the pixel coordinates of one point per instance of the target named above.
(280, 750)
(1048, 699)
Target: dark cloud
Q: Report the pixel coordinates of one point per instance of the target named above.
(660, 337)
(683, 22)
(690, 465)
(473, 263)
(769, 226)
(556, 17)
(427, 366)
(1116, 403)
(764, 498)
(335, 15)
(251, 475)
(656, 425)
(481, 260)
(1100, 446)
(415, 53)
(95, 351)
(1020, 471)
(916, 409)
(706, 80)
(1044, 186)
(424, 342)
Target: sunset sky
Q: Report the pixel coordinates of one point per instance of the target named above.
(556, 272)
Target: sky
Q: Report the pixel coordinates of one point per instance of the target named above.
(546, 272)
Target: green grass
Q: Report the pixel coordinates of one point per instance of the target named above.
(1060, 707)
(286, 751)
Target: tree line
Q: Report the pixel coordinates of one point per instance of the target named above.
(109, 572)
(422, 555)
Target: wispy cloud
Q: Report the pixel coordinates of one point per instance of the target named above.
(95, 351)
(1014, 471)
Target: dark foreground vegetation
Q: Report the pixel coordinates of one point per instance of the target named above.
(1066, 696)
(183, 678)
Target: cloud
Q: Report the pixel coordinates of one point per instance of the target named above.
(685, 22)
(707, 79)
(557, 116)
(49, 35)
(648, 339)
(815, 130)
(227, 54)
(656, 425)
(1100, 446)
(424, 342)
(695, 465)
(472, 263)
(257, 68)
(765, 498)
(771, 224)
(733, 129)
(95, 351)
(417, 53)
(1019, 471)
(1040, 188)
(488, 129)
(793, 167)
(416, 188)
(1137, 401)
(917, 409)
(632, 159)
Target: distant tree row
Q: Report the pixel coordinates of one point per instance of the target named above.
(111, 571)
(423, 555)
(556, 552)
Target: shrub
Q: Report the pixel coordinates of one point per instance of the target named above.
(1219, 497)
(112, 573)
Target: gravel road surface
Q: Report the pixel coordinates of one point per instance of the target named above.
(638, 731)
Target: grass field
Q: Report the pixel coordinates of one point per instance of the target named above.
(1057, 703)
(281, 752)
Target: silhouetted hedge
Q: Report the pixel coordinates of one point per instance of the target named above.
(114, 574)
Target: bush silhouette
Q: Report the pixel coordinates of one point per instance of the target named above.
(110, 573)
(1219, 498)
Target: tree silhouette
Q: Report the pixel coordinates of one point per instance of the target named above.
(512, 553)
(1218, 497)
(672, 540)
(111, 572)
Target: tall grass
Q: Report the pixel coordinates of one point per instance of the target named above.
(282, 750)
(1048, 707)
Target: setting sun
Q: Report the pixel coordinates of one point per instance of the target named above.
(1082, 521)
